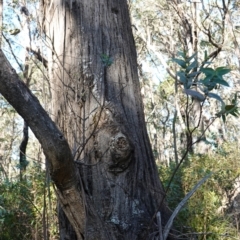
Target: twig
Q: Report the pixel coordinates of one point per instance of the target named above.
(13, 54)
(39, 56)
(159, 221)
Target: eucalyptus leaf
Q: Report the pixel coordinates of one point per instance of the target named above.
(180, 62)
(234, 113)
(182, 77)
(222, 71)
(215, 96)
(232, 109)
(224, 118)
(194, 64)
(208, 71)
(195, 94)
(221, 81)
(193, 74)
(189, 84)
(206, 80)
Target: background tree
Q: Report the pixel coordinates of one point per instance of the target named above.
(167, 33)
(209, 29)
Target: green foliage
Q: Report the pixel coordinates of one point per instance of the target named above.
(213, 77)
(23, 207)
(189, 73)
(106, 60)
(15, 212)
(198, 82)
(229, 109)
(202, 212)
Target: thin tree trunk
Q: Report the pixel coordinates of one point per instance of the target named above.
(22, 154)
(24, 143)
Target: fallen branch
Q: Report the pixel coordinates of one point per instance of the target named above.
(180, 205)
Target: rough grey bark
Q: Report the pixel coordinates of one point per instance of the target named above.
(97, 104)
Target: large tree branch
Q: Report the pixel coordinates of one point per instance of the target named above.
(54, 145)
(52, 140)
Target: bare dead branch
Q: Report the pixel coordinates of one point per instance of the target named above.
(12, 52)
(159, 221)
(39, 56)
(180, 205)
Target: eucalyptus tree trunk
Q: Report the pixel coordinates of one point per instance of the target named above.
(97, 105)
(101, 161)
